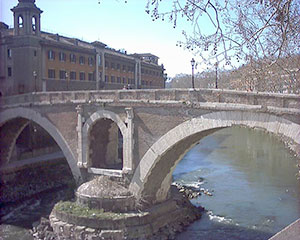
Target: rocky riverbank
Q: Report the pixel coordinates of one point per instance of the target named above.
(25, 182)
(191, 192)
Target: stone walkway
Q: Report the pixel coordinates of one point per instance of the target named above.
(291, 232)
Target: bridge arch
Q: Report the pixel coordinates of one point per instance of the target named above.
(152, 177)
(31, 115)
(86, 130)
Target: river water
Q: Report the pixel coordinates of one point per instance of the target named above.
(251, 175)
(253, 180)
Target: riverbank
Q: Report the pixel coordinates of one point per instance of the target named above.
(19, 182)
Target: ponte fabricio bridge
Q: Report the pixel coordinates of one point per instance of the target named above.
(146, 131)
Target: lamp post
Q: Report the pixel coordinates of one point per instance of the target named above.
(66, 75)
(193, 65)
(165, 79)
(34, 76)
(216, 65)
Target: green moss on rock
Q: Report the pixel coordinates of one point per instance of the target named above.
(82, 211)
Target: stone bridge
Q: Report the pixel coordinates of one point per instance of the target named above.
(141, 135)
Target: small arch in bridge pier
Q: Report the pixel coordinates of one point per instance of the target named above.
(105, 144)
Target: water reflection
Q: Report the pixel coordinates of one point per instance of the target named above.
(253, 177)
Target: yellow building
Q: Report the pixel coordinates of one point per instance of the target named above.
(32, 60)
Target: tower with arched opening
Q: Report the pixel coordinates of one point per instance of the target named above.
(27, 18)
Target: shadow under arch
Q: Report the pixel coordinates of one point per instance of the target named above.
(31, 115)
(152, 177)
(90, 122)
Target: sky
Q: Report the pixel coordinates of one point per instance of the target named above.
(118, 24)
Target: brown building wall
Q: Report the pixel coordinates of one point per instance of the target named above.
(68, 66)
(119, 68)
(152, 76)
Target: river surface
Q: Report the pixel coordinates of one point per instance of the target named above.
(251, 175)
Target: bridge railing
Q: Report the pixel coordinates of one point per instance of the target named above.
(157, 95)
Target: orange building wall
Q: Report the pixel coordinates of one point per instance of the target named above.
(68, 66)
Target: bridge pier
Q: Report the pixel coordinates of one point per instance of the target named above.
(108, 210)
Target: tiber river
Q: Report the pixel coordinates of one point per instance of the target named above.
(251, 175)
(253, 180)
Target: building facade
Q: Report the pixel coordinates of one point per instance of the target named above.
(32, 60)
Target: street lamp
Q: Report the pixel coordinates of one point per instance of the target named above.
(66, 75)
(35, 76)
(165, 79)
(216, 65)
(193, 65)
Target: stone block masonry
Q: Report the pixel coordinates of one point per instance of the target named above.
(160, 221)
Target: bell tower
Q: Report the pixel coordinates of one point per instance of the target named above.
(27, 18)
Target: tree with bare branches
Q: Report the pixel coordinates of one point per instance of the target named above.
(256, 33)
(238, 30)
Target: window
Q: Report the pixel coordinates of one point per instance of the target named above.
(82, 76)
(118, 66)
(20, 21)
(91, 77)
(106, 64)
(9, 53)
(81, 60)
(118, 80)
(33, 23)
(72, 58)
(124, 68)
(124, 80)
(9, 71)
(91, 61)
(131, 81)
(62, 74)
(34, 53)
(150, 83)
(100, 76)
(51, 55)
(72, 75)
(112, 65)
(62, 57)
(143, 82)
(99, 60)
(51, 73)
(106, 78)
(112, 79)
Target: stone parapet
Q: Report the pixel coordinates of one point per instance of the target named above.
(157, 95)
